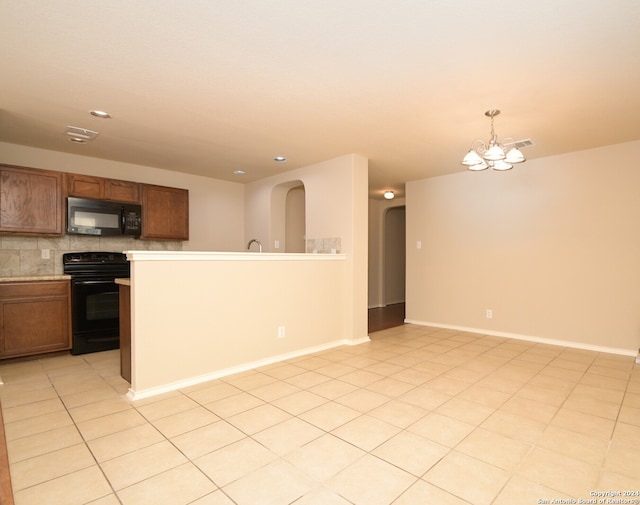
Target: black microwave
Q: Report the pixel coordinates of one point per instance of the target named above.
(102, 218)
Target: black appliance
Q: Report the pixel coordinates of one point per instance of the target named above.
(95, 304)
(100, 217)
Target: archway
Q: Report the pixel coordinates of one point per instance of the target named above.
(295, 220)
(394, 255)
(288, 217)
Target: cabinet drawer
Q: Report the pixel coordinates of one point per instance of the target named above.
(10, 290)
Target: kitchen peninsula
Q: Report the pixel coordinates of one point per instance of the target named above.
(197, 316)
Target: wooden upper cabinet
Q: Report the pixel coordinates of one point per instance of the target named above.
(100, 188)
(85, 186)
(122, 191)
(165, 213)
(31, 201)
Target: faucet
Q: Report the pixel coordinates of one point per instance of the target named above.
(256, 241)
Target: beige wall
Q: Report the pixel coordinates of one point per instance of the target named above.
(552, 247)
(216, 208)
(197, 316)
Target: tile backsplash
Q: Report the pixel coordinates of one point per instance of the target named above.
(43, 256)
(324, 245)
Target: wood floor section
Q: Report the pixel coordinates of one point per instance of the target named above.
(381, 318)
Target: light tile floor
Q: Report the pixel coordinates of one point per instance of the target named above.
(418, 415)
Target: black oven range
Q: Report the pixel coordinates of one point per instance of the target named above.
(95, 312)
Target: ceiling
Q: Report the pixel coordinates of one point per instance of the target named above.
(208, 87)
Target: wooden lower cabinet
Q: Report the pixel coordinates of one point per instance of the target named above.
(125, 332)
(35, 317)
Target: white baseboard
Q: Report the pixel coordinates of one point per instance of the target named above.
(530, 338)
(217, 374)
(383, 305)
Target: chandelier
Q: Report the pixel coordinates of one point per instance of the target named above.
(494, 154)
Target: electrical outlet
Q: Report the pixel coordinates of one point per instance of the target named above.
(489, 314)
(280, 331)
(418, 244)
(46, 254)
(276, 244)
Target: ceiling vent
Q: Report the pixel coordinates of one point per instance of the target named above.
(80, 135)
(521, 143)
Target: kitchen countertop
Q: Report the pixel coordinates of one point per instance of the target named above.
(33, 278)
(123, 282)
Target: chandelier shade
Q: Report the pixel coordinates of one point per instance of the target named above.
(472, 158)
(479, 166)
(492, 154)
(514, 155)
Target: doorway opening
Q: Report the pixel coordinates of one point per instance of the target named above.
(391, 312)
(288, 217)
(295, 219)
(394, 255)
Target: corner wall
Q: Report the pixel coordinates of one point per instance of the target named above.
(552, 247)
(336, 194)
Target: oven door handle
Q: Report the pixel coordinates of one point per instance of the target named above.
(85, 283)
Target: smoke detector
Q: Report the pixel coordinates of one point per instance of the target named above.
(80, 135)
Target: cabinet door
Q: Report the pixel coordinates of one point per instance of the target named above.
(122, 191)
(165, 213)
(34, 318)
(30, 201)
(85, 186)
(89, 186)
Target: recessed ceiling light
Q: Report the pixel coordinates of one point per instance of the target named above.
(100, 113)
(280, 159)
(239, 172)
